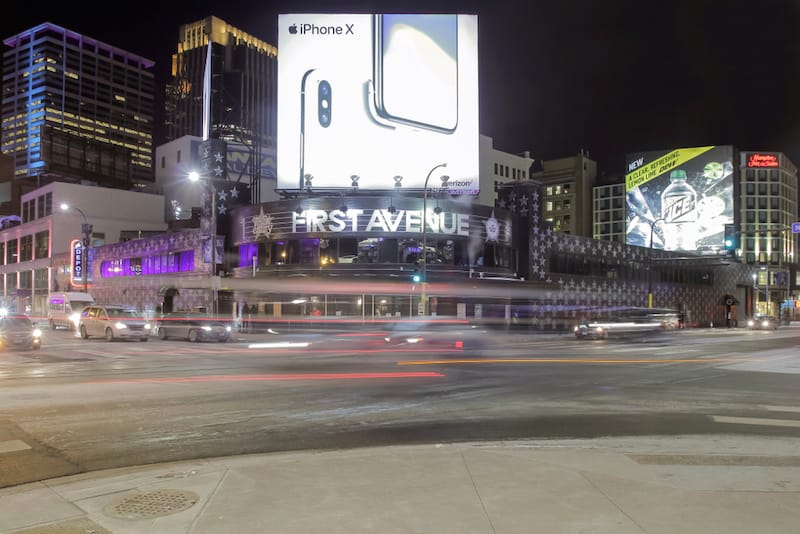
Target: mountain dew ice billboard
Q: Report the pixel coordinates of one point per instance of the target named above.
(683, 196)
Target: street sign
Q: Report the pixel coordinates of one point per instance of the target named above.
(796, 227)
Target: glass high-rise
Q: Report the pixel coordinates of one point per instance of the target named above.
(77, 109)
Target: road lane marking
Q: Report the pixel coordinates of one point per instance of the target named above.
(574, 360)
(755, 421)
(13, 445)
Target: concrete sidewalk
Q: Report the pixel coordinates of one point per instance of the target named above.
(690, 484)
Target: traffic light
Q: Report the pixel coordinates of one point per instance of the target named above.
(416, 277)
(731, 237)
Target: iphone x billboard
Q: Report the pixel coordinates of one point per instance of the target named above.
(378, 102)
(681, 199)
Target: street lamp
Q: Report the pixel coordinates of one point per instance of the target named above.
(755, 291)
(650, 265)
(194, 176)
(423, 291)
(86, 230)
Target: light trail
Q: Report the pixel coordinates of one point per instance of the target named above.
(266, 378)
(573, 360)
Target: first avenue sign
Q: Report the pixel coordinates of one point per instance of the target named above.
(360, 220)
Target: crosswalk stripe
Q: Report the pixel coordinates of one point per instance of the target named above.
(755, 421)
(791, 409)
(13, 445)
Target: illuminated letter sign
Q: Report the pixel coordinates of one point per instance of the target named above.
(77, 260)
(763, 160)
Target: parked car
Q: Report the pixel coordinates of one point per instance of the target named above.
(763, 322)
(113, 322)
(19, 332)
(193, 326)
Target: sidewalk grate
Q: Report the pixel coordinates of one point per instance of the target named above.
(152, 504)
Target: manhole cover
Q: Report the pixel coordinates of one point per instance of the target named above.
(152, 504)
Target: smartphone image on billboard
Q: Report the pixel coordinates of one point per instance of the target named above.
(415, 70)
(337, 137)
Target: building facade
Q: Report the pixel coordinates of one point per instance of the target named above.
(76, 109)
(37, 256)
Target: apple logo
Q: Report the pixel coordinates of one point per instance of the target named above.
(293, 29)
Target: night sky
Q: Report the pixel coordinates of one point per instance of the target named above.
(556, 77)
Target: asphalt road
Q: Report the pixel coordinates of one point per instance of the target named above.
(81, 405)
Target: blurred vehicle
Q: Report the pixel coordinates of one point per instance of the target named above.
(193, 327)
(113, 322)
(603, 329)
(763, 322)
(19, 332)
(437, 334)
(64, 309)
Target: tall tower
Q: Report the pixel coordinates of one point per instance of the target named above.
(243, 93)
(76, 109)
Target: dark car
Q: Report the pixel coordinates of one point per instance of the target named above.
(763, 322)
(193, 327)
(19, 332)
(443, 334)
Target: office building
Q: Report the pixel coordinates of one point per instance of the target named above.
(567, 189)
(76, 109)
(768, 208)
(243, 93)
(498, 167)
(608, 217)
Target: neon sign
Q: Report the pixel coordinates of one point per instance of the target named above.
(763, 160)
(77, 260)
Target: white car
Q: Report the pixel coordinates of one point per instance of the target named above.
(113, 322)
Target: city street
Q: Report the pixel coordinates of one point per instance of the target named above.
(84, 405)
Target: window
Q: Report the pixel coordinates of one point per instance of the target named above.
(25, 217)
(11, 251)
(495, 168)
(42, 242)
(179, 156)
(26, 248)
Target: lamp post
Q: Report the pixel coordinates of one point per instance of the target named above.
(755, 293)
(650, 265)
(423, 290)
(194, 176)
(86, 230)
